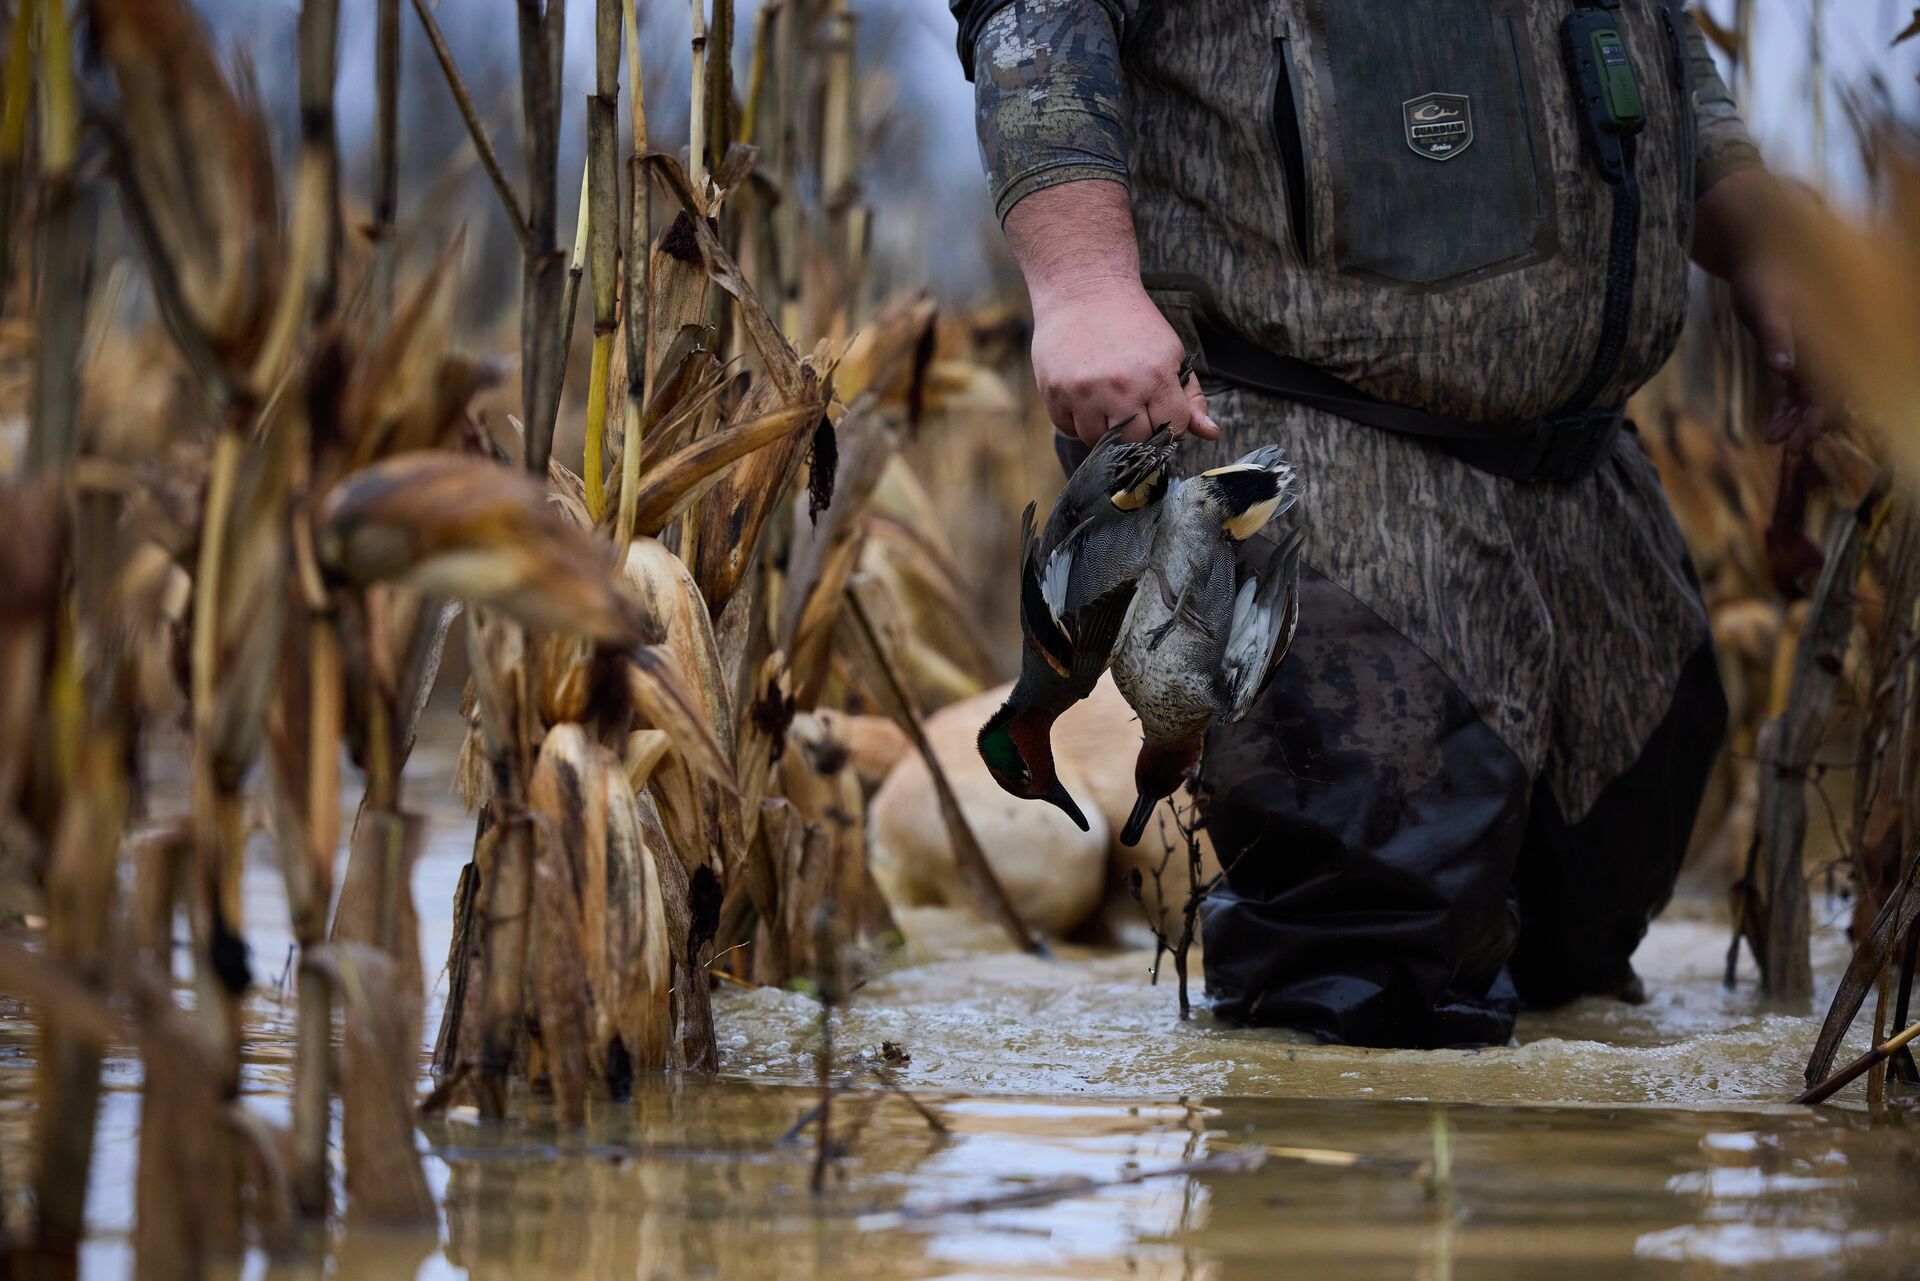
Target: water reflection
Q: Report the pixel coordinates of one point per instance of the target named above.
(1636, 1141)
(692, 1183)
(692, 1180)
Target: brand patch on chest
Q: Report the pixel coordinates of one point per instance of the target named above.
(1439, 125)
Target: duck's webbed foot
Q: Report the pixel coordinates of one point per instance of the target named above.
(1177, 605)
(1182, 612)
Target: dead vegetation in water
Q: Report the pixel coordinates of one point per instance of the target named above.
(278, 550)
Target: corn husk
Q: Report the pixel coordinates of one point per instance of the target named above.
(470, 530)
(627, 926)
(560, 1002)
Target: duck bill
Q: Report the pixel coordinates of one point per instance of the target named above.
(1137, 820)
(1058, 795)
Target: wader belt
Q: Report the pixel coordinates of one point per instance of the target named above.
(1562, 447)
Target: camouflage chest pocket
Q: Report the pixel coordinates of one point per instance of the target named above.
(1423, 120)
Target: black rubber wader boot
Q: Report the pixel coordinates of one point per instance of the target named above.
(1395, 877)
(1369, 824)
(1394, 874)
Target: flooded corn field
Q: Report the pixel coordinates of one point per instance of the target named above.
(1081, 1133)
(611, 666)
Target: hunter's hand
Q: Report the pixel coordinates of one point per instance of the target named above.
(1763, 299)
(1735, 237)
(1102, 352)
(1105, 354)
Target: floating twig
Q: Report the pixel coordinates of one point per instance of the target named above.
(1240, 1161)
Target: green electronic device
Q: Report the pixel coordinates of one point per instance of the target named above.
(1611, 109)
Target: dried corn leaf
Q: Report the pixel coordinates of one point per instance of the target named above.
(792, 379)
(763, 734)
(730, 516)
(826, 552)
(645, 750)
(409, 393)
(888, 352)
(561, 675)
(827, 793)
(253, 597)
(199, 158)
(670, 701)
(669, 489)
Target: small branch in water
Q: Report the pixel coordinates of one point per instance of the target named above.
(1243, 1161)
(927, 1114)
(1877, 1055)
(812, 1115)
(828, 988)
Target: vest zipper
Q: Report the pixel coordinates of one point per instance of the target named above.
(1283, 119)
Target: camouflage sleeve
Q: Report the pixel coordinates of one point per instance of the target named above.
(1048, 97)
(1722, 143)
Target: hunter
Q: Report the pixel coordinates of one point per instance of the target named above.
(1429, 248)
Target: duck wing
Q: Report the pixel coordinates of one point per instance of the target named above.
(1038, 621)
(1116, 478)
(1265, 612)
(1088, 582)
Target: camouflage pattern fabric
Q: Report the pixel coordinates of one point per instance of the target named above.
(1277, 189)
(1563, 612)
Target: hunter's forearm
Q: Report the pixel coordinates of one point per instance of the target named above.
(1052, 120)
(1731, 220)
(1734, 194)
(1049, 96)
(1074, 241)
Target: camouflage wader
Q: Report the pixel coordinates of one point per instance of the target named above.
(1478, 769)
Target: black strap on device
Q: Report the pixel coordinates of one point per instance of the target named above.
(1611, 112)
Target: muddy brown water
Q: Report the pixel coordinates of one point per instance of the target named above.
(1092, 1135)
